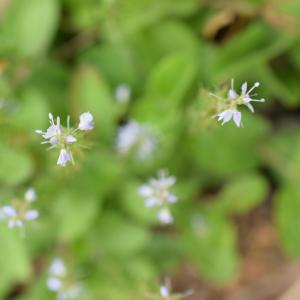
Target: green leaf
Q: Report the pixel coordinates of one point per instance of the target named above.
(75, 210)
(170, 80)
(16, 165)
(30, 26)
(225, 149)
(89, 92)
(242, 194)
(14, 261)
(119, 236)
(212, 245)
(287, 211)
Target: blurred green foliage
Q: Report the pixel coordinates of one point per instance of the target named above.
(67, 57)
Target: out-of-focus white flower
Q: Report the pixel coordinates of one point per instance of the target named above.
(229, 114)
(234, 100)
(86, 122)
(17, 216)
(64, 157)
(137, 138)
(65, 138)
(157, 193)
(30, 195)
(59, 281)
(123, 93)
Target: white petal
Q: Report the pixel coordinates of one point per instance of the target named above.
(30, 195)
(64, 157)
(237, 116)
(250, 106)
(54, 284)
(123, 93)
(165, 216)
(145, 190)
(152, 202)
(31, 214)
(70, 139)
(86, 121)
(232, 94)
(244, 88)
(164, 292)
(9, 211)
(57, 267)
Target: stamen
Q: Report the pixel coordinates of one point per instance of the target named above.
(256, 84)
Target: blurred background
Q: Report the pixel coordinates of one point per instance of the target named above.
(236, 225)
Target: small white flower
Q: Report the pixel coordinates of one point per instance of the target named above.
(57, 267)
(164, 215)
(30, 195)
(59, 281)
(234, 99)
(228, 114)
(156, 193)
(123, 93)
(245, 95)
(86, 122)
(53, 131)
(137, 137)
(64, 157)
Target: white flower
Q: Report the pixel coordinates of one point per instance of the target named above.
(53, 131)
(156, 193)
(86, 122)
(229, 114)
(137, 137)
(164, 215)
(245, 95)
(65, 138)
(57, 267)
(16, 218)
(234, 99)
(59, 281)
(64, 157)
(30, 195)
(123, 93)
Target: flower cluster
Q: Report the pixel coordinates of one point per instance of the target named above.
(65, 138)
(136, 138)
(17, 214)
(60, 282)
(156, 193)
(234, 100)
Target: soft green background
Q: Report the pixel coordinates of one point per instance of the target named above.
(68, 56)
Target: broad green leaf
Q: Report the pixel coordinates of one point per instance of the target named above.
(212, 245)
(242, 194)
(89, 92)
(287, 211)
(224, 150)
(75, 211)
(30, 26)
(16, 165)
(119, 236)
(14, 261)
